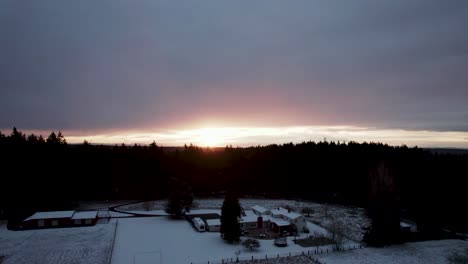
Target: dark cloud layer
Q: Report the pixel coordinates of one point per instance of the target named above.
(103, 65)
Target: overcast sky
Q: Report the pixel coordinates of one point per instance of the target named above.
(102, 66)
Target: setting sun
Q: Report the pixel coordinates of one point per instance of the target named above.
(211, 137)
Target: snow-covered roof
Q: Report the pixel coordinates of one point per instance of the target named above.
(403, 224)
(284, 212)
(50, 215)
(84, 215)
(253, 218)
(198, 220)
(213, 222)
(259, 209)
(279, 221)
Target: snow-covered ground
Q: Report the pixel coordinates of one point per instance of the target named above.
(409, 253)
(78, 245)
(158, 240)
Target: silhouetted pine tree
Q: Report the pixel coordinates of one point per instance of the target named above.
(180, 198)
(384, 207)
(230, 215)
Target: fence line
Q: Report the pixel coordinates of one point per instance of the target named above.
(113, 242)
(306, 253)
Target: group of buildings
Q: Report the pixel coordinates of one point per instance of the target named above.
(279, 220)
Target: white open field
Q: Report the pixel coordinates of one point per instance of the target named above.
(158, 240)
(77, 245)
(409, 253)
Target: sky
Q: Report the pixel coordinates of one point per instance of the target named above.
(240, 72)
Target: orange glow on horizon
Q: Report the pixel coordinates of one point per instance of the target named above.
(250, 136)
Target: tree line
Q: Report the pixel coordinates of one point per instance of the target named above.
(41, 173)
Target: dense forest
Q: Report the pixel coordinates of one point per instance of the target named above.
(47, 173)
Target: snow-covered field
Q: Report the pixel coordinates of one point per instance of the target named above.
(409, 253)
(283, 260)
(353, 217)
(159, 240)
(77, 245)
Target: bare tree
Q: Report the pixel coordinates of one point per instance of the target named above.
(338, 232)
(251, 243)
(307, 211)
(147, 205)
(325, 210)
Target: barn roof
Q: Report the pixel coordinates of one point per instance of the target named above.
(84, 215)
(279, 221)
(285, 212)
(260, 209)
(50, 215)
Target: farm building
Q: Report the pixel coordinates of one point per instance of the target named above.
(288, 215)
(260, 210)
(408, 226)
(48, 219)
(279, 225)
(84, 218)
(213, 225)
(59, 219)
(251, 220)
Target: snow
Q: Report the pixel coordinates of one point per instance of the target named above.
(279, 221)
(50, 215)
(198, 221)
(284, 212)
(259, 209)
(409, 253)
(84, 215)
(354, 218)
(213, 222)
(204, 211)
(175, 241)
(252, 219)
(402, 224)
(77, 245)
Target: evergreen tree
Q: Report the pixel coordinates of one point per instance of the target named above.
(56, 139)
(180, 198)
(384, 208)
(52, 139)
(33, 139)
(230, 215)
(61, 139)
(17, 136)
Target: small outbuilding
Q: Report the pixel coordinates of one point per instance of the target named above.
(213, 225)
(260, 210)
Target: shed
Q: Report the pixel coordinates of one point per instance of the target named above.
(279, 225)
(260, 210)
(213, 225)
